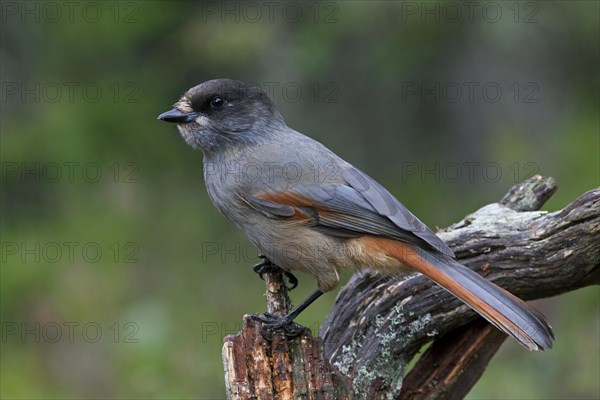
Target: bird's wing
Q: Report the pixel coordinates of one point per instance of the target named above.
(359, 207)
(387, 205)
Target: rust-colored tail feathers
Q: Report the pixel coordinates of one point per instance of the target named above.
(502, 309)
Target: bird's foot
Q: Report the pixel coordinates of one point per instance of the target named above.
(267, 267)
(285, 324)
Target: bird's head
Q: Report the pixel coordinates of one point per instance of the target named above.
(222, 113)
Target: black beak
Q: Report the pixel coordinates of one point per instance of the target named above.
(175, 115)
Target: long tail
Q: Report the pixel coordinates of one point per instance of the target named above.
(502, 309)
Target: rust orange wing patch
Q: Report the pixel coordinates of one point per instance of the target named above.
(284, 205)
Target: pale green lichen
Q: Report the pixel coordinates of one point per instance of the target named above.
(392, 330)
(346, 360)
(382, 366)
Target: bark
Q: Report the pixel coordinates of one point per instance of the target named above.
(379, 323)
(280, 368)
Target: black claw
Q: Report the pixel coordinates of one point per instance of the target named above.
(292, 280)
(267, 266)
(271, 323)
(264, 268)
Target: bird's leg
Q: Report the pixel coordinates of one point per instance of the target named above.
(286, 323)
(267, 266)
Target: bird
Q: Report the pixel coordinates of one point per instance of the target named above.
(306, 209)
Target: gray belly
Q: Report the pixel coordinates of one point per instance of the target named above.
(296, 247)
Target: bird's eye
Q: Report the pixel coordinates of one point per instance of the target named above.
(217, 102)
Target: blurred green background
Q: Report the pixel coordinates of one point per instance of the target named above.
(119, 279)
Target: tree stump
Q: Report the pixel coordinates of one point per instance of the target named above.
(282, 368)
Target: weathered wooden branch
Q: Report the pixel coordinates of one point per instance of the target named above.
(378, 323)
